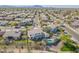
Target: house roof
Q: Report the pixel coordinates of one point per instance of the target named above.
(75, 23)
(34, 31)
(26, 20)
(12, 33)
(18, 19)
(3, 22)
(2, 32)
(46, 34)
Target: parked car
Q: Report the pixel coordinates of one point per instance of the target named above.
(51, 42)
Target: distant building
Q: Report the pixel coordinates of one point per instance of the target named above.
(1, 18)
(18, 19)
(26, 22)
(76, 18)
(44, 17)
(9, 18)
(2, 33)
(3, 23)
(75, 23)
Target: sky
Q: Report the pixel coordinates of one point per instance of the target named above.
(62, 6)
(39, 2)
(45, 3)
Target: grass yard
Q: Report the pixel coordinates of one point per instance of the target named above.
(68, 47)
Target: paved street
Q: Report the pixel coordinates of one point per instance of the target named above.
(72, 32)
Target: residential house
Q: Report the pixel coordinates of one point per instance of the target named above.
(9, 18)
(1, 18)
(12, 35)
(75, 23)
(18, 19)
(26, 22)
(44, 17)
(3, 23)
(36, 34)
(2, 33)
(54, 27)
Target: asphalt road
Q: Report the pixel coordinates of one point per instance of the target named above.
(73, 33)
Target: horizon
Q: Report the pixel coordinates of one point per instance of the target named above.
(54, 6)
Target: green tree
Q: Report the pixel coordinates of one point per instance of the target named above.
(67, 39)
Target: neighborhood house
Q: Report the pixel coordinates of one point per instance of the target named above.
(12, 35)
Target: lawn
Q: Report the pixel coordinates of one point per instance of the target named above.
(68, 47)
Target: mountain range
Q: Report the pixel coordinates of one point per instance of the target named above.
(21, 6)
(39, 6)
